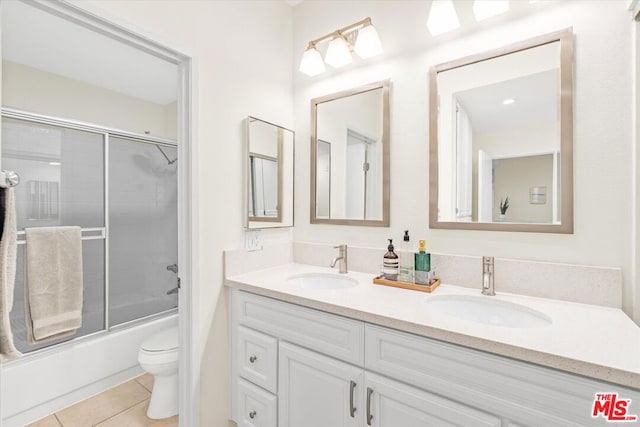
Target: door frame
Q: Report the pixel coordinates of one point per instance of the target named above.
(189, 366)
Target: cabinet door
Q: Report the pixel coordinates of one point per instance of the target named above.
(393, 404)
(318, 391)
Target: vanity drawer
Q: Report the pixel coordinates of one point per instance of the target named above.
(257, 356)
(256, 407)
(526, 394)
(326, 333)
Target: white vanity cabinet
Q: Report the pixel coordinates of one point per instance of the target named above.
(315, 369)
(317, 390)
(391, 403)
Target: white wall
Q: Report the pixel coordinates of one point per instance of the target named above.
(29, 89)
(242, 66)
(602, 128)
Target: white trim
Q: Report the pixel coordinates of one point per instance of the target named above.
(635, 167)
(188, 260)
(91, 17)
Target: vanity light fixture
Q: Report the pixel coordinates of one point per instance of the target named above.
(508, 101)
(483, 9)
(312, 63)
(338, 52)
(360, 37)
(442, 17)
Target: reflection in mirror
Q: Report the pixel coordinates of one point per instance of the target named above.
(263, 187)
(501, 139)
(350, 157)
(323, 176)
(269, 175)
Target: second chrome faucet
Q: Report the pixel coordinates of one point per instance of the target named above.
(341, 258)
(488, 282)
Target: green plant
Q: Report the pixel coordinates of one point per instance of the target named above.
(504, 205)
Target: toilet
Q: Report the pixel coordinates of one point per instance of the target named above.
(158, 356)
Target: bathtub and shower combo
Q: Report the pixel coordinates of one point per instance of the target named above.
(121, 189)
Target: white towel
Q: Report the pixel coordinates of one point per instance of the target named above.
(53, 285)
(8, 257)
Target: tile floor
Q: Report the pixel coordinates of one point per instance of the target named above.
(122, 406)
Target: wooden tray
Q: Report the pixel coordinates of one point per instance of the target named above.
(380, 280)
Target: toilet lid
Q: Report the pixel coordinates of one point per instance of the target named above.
(162, 341)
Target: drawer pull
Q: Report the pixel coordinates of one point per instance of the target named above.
(369, 416)
(352, 409)
(253, 359)
(252, 414)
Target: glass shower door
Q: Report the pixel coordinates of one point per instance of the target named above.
(143, 229)
(61, 183)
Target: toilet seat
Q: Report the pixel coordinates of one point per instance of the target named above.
(163, 341)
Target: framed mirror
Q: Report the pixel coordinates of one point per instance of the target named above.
(501, 138)
(269, 175)
(350, 157)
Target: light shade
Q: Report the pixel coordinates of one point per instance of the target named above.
(483, 9)
(311, 63)
(442, 17)
(368, 43)
(338, 53)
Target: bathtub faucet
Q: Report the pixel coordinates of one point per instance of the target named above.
(173, 267)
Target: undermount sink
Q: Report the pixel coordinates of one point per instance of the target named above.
(485, 309)
(322, 281)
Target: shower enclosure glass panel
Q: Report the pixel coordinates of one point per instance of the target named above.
(62, 183)
(143, 229)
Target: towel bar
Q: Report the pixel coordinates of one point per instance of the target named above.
(9, 179)
(100, 236)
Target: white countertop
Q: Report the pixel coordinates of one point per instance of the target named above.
(594, 341)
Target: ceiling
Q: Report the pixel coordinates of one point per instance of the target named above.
(46, 42)
(536, 102)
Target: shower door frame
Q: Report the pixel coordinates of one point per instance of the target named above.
(187, 172)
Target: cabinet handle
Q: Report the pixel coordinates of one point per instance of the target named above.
(253, 359)
(352, 409)
(369, 416)
(252, 414)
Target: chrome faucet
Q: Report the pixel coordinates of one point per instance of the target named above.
(342, 257)
(488, 284)
(173, 267)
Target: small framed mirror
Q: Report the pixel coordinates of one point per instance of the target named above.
(350, 157)
(269, 175)
(501, 138)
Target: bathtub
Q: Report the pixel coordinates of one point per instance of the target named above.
(43, 383)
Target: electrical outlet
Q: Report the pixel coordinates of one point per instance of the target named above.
(252, 240)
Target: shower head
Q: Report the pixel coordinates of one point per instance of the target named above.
(170, 162)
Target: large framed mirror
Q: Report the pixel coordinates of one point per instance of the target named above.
(350, 157)
(501, 138)
(269, 174)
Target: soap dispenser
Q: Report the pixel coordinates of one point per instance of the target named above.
(390, 263)
(405, 266)
(423, 264)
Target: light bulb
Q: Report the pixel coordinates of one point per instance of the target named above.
(311, 63)
(338, 53)
(442, 17)
(368, 43)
